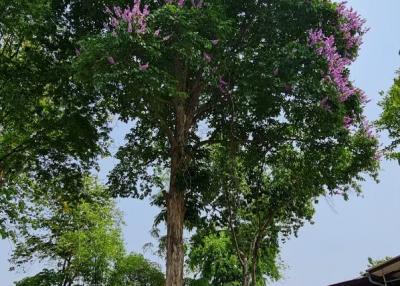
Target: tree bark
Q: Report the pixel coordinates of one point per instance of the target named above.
(176, 204)
(175, 254)
(254, 263)
(254, 274)
(246, 275)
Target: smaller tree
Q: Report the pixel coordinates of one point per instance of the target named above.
(135, 270)
(213, 259)
(44, 278)
(81, 240)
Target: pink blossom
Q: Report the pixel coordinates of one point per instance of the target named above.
(111, 60)
(378, 155)
(352, 25)
(197, 3)
(347, 122)
(368, 129)
(157, 33)
(324, 103)
(222, 82)
(133, 17)
(337, 65)
(207, 57)
(223, 85)
(144, 67)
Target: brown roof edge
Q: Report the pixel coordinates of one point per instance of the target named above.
(384, 264)
(361, 281)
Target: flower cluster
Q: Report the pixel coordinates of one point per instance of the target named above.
(368, 129)
(134, 18)
(337, 64)
(223, 86)
(181, 3)
(352, 25)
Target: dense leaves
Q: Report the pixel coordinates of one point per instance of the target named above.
(213, 259)
(135, 270)
(263, 84)
(266, 80)
(81, 240)
(390, 118)
(48, 127)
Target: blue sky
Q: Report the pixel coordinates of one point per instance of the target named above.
(336, 247)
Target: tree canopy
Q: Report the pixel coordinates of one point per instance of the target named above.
(135, 270)
(268, 78)
(81, 240)
(266, 81)
(48, 128)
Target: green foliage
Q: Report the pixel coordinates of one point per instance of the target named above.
(390, 118)
(375, 262)
(48, 127)
(135, 270)
(275, 91)
(44, 278)
(239, 75)
(81, 239)
(257, 93)
(213, 257)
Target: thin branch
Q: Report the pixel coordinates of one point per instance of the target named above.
(206, 107)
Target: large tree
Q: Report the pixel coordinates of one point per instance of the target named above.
(268, 76)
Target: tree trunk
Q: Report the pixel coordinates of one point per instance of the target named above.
(175, 217)
(246, 275)
(254, 274)
(255, 263)
(176, 204)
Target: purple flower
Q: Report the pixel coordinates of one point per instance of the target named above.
(197, 4)
(107, 10)
(222, 82)
(324, 103)
(77, 52)
(378, 155)
(352, 25)
(157, 33)
(223, 85)
(144, 67)
(337, 65)
(134, 17)
(368, 130)
(111, 60)
(363, 97)
(347, 122)
(207, 57)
